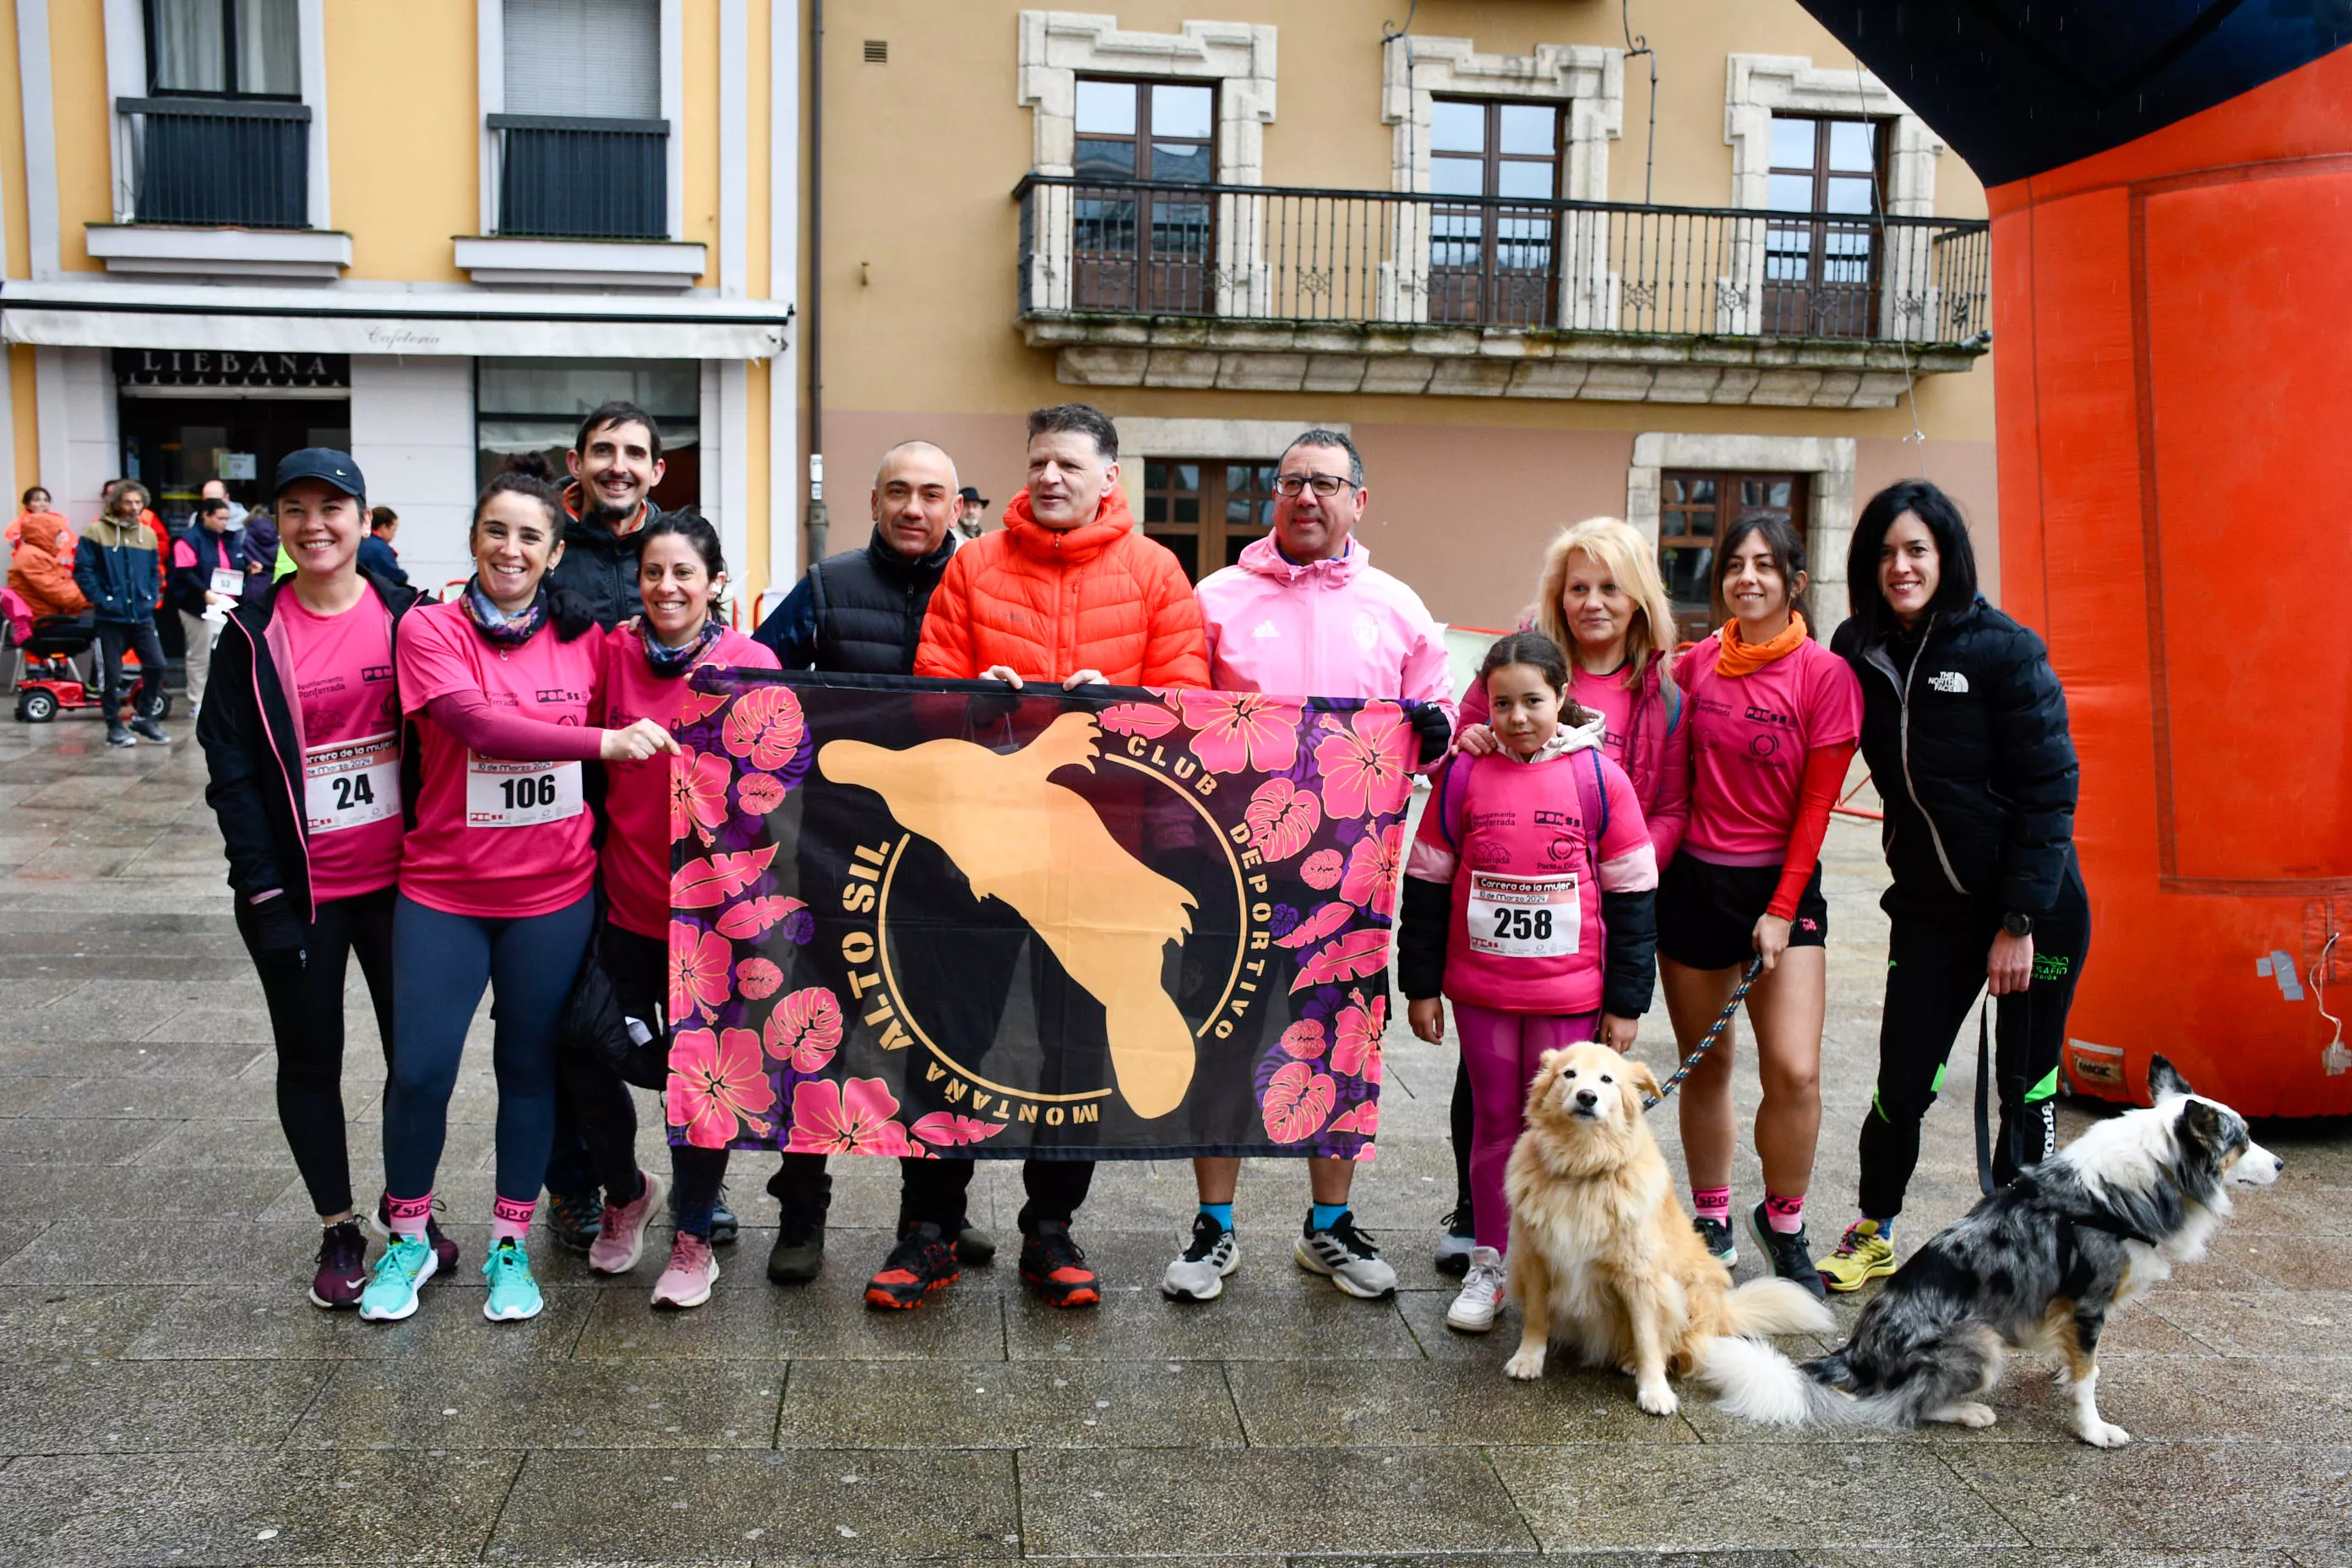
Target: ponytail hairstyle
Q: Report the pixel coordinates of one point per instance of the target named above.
(1788, 547)
(512, 482)
(1633, 561)
(697, 530)
(1542, 655)
(530, 466)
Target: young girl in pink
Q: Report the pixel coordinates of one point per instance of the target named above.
(1527, 901)
(1774, 717)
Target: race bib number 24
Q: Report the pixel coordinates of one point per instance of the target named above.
(351, 785)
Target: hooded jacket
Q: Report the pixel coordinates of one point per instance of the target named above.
(1964, 728)
(196, 556)
(253, 749)
(1048, 603)
(1338, 627)
(600, 563)
(860, 612)
(42, 567)
(120, 571)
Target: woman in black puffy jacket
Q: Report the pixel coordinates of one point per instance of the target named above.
(1964, 728)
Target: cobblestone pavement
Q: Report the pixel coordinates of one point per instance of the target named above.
(170, 1398)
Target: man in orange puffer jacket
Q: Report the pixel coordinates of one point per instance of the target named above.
(1069, 589)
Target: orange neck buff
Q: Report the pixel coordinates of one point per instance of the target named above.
(1735, 658)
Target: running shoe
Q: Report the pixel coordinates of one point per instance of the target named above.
(799, 1252)
(1453, 1246)
(149, 731)
(1864, 1253)
(1346, 1256)
(342, 1268)
(975, 1246)
(573, 1218)
(116, 735)
(923, 1261)
(687, 1281)
(408, 1261)
(1483, 1283)
(1055, 1265)
(621, 1230)
(1789, 1255)
(724, 1226)
(444, 1249)
(514, 1293)
(1199, 1275)
(1717, 1237)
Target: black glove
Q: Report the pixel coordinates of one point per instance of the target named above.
(1428, 721)
(277, 930)
(571, 615)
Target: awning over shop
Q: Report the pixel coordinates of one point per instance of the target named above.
(66, 315)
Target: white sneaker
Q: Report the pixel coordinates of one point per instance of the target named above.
(1474, 1311)
(1200, 1274)
(1346, 1256)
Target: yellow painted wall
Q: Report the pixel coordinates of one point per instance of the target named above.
(25, 417)
(403, 144)
(85, 122)
(700, 127)
(17, 259)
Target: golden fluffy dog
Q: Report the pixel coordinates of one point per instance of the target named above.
(1603, 1257)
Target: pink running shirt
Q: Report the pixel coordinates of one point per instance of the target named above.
(1749, 734)
(495, 840)
(636, 803)
(340, 674)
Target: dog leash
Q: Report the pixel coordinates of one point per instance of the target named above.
(1722, 1021)
(1985, 1183)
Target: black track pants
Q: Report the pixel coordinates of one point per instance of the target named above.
(1934, 970)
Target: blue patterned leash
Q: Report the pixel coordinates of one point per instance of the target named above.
(1722, 1021)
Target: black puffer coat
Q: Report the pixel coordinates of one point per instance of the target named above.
(599, 566)
(1964, 731)
(857, 613)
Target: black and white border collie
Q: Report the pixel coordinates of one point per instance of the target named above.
(2037, 1266)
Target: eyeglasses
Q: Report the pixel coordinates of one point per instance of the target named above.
(1325, 486)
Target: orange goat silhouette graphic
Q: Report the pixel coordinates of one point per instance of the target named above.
(1041, 848)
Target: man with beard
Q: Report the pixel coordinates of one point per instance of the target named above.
(615, 462)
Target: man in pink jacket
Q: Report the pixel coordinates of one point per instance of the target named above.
(1305, 613)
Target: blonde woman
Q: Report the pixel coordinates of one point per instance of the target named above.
(1601, 599)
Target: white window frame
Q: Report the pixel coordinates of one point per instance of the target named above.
(126, 77)
(1057, 47)
(1827, 462)
(490, 24)
(1756, 87)
(1587, 80)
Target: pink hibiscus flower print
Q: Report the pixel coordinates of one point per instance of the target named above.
(717, 1086)
(1367, 763)
(804, 1030)
(1238, 730)
(1371, 880)
(765, 727)
(848, 1118)
(1321, 869)
(1282, 818)
(759, 794)
(1357, 1050)
(697, 793)
(699, 961)
(1304, 1039)
(757, 978)
(1297, 1101)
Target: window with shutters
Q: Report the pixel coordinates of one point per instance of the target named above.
(1821, 249)
(583, 147)
(223, 136)
(1142, 241)
(1697, 508)
(1489, 261)
(1207, 509)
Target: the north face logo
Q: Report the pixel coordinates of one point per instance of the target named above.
(1948, 681)
(1266, 629)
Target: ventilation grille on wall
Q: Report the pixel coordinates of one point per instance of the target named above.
(878, 51)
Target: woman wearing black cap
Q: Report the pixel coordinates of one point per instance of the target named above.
(301, 733)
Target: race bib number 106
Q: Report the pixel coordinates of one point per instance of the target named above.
(521, 795)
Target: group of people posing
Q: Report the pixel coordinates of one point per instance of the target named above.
(476, 795)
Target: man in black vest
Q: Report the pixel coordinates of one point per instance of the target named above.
(861, 613)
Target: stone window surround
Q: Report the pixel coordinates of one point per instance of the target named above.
(1827, 460)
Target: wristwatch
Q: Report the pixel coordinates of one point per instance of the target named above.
(2016, 924)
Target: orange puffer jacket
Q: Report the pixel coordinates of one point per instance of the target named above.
(1048, 604)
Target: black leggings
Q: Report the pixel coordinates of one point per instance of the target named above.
(591, 1100)
(1935, 968)
(304, 989)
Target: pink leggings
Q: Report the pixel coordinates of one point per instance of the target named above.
(1501, 1052)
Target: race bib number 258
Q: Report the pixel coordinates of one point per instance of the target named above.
(1524, 917)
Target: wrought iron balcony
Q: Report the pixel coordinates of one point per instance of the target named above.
(241, 162)
(577, 178)
(1166, 284)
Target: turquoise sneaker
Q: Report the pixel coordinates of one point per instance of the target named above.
(514, 1294)
(408, 1261)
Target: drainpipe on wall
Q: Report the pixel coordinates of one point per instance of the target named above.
(818, 524)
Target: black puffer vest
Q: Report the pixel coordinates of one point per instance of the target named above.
(869, 607)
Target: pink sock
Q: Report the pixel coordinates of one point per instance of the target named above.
(511, 1218)
(1712, 1203)
(408, 1217)
(1784, 1214)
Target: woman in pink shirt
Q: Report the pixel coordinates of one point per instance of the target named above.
(1773, 718)
(496, 878)
(681, 577)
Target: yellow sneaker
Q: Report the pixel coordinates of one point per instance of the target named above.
(1862, 1254)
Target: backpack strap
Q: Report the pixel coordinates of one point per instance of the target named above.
(1593, 801)
(1442, 796)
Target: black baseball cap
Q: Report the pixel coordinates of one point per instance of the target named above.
(325, 464)
(969, 494)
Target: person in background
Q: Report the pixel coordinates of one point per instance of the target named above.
(971, 513)
(208, 581)
(376, 554)
(217, 489)
(44, 522)
(121, 572)
(41, 563)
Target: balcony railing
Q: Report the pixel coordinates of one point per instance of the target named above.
(1094, 248)
(240, 162)
(560, 177)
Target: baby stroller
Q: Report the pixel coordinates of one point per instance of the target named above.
(44, 675)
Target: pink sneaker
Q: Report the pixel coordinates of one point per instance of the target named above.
(620, 1240)
(687, 1281)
